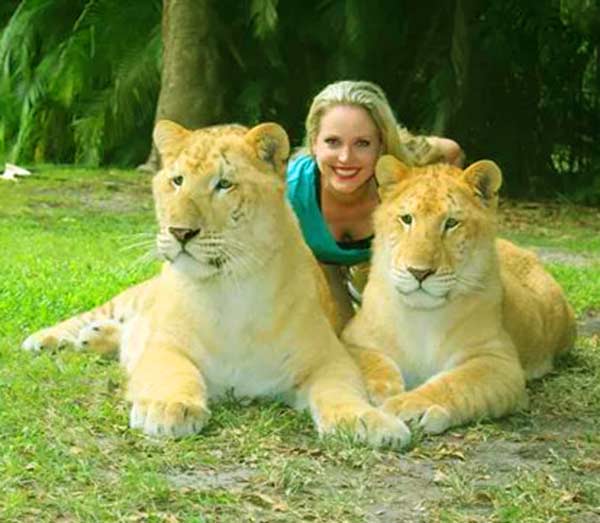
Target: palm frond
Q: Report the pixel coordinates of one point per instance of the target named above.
(117, 110)
(60, 56)
(263, 14)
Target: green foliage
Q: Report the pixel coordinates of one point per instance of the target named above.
(518, 82)
(264, 17)
(80, 79)
(533, 101)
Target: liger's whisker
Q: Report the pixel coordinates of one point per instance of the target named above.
(145, 259)
(137, 245)
(136, 235)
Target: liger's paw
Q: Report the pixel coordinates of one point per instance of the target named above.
(373, 426)
(434, 418)
(170, 419)
(380, 429)
(101, 336)
(45, 339)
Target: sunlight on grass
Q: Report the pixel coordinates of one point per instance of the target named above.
(582, 285)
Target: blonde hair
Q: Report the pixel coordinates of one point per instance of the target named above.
(363, 94)
(395, 139)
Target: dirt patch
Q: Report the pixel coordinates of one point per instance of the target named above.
(111, 196)
(405, 491)
(519, 215)
(232, 479)
(589, 324)
(548, 255)
(419, 489)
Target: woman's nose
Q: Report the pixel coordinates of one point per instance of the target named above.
(345, 153)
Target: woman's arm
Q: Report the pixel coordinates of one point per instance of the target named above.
(423, 150)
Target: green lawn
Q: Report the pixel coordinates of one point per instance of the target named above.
(71, 239)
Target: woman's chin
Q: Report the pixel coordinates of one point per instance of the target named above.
(346, 185)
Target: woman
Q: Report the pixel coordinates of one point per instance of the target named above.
(331, 183)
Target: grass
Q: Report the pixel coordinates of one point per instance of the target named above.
(67, 455)
(569, 237)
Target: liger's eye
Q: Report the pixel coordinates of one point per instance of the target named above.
(450, 223)
(177, 180)
(406, 219)
(223, 184)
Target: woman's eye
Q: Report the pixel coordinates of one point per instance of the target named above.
(406, 219)
(450, 224)
(363, 143)
(223, 185)
(332, 141)
(177, 180)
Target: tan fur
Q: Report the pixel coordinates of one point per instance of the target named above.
(486, 317)
(240, 305)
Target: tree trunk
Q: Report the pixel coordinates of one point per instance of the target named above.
(459, 57)
(190, 91)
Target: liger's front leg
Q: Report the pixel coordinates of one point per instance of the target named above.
(482, 386)
(167, 392)
(337, 399)
(382, 376)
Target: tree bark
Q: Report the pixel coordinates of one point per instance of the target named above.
(459, 58)
(191, 90)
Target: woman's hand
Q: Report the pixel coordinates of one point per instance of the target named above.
(449, 149)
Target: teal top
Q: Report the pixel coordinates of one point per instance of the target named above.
(303, 194)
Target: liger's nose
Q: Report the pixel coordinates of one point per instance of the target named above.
(183, 235)
(420, 274)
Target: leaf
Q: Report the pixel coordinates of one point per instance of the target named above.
(263, 14)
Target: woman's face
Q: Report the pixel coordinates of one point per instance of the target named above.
(346, 148)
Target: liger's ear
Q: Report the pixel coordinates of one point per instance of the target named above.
(485, 178)
(389, 171)
(271, 144)
(170, 139)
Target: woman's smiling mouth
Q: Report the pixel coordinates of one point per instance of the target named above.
(345, 172)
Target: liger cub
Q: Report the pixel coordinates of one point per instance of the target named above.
(453, 320)
(240, 305)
